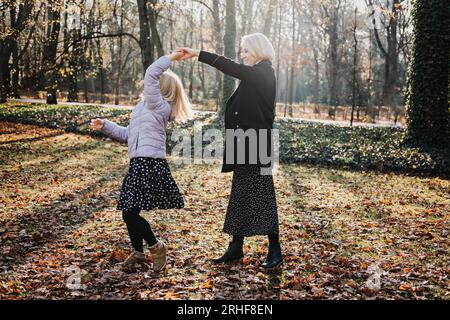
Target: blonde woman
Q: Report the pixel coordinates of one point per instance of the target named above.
(149, 183)
(252, 208)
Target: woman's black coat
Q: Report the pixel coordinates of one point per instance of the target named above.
(251, 106)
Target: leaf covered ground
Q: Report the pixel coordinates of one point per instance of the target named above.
(345, 234)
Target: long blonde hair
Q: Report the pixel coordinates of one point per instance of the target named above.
(173, 92)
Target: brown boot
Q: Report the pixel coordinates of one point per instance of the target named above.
(135, 258)
(159, 255)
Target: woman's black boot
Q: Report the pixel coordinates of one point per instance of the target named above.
(274, 257)
(234, 251)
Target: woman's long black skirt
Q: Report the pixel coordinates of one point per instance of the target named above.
(252, 208)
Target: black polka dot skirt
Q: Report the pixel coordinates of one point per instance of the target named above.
(149, 185)
(252, 208)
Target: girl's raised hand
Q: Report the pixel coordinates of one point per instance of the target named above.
(188, 53)
(97, 124)
(176, 55)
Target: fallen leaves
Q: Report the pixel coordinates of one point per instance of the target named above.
(58, 212)
(118, 255)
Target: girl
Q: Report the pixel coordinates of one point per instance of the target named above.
(149, 183)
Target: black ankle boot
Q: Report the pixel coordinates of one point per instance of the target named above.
(274, 257)
(233, 253)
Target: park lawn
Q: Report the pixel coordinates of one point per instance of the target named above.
(379, 149)
(57, 214)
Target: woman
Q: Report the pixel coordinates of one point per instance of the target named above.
(252, 208)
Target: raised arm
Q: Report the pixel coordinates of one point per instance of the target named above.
(152, 89)
(227, 66)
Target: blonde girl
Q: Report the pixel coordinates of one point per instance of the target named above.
(149, 183)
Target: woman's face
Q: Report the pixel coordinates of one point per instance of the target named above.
(248, 58)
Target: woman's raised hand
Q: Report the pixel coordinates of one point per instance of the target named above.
(97, 124)
(188, 53)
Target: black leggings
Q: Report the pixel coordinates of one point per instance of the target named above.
(138, 229)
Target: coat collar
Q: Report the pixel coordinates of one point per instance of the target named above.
(264, 62)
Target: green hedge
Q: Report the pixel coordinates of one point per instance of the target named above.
(371, 148)
(366, 148)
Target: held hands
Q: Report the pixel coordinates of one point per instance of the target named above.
(176, 55)
(183, 54)
(97, 124)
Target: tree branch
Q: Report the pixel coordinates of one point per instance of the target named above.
(208, 7)
(369, 4)
(380, 45)
(97, 35)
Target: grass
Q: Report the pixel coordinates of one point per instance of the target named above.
(377, 149)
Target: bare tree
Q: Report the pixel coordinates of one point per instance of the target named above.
(18, 24)
(355, 66)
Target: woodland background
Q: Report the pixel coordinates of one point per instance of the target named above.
(330, 54)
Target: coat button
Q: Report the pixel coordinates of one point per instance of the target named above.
(237, 126)
(236, 113)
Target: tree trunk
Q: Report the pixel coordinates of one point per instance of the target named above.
(101, 73)
(331, 12)
(5, 86)
(369, 82)
(73, 64)
(278, 51)
(355, 61)
(119, 59)
(153, 16)
(15, 59)
(287, 89)
(50, 50)
(6, 48)
(333, 34)
(219, 50)
(316, 77)
(191, 70)
(427, 98)
(145, 40)
(390, 90)
(229, 49)
(390, 56)
(201, 66)
(292, 60)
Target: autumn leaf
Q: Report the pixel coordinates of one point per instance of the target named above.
(170, 295)
(208, 284)
(118, 255)
(405, 287)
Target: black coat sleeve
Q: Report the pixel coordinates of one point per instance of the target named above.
(228, 66)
